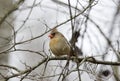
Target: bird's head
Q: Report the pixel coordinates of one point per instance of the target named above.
(53, 33)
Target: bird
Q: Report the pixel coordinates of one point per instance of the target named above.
(58, 43)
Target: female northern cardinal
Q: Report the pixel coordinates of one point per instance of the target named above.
(59, 44)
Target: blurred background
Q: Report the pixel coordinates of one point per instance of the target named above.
(24, 41)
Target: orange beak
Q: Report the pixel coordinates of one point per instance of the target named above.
(51, 36)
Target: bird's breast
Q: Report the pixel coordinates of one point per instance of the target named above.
(59, 47)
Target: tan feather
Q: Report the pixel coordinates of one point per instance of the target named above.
(59, 44)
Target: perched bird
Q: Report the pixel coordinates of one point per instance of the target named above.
(59, 44)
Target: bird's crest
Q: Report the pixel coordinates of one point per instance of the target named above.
(54, 30)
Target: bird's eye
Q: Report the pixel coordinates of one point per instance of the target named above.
(53, 34)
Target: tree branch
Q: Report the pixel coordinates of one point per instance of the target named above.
(88, 59)
(10, 11)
